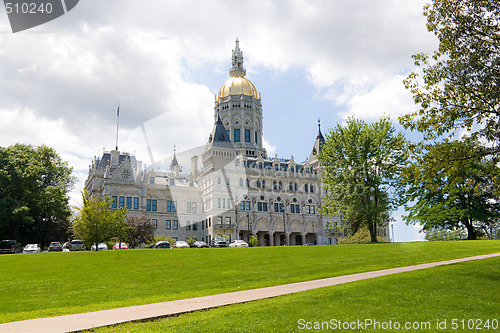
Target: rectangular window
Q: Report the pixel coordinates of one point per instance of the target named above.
(114, 200)
(171, 206)
(152, 180)
(188, 225)
(136, 203)
(195, 226)
(247, 205)
(255, 137)
(228, 203)
(223, 203)
(219, 219)
(242, 205)
(172, 182)
(153, 205)
(292, 209)
(168, 224)
(175, 224)
(148, 205)
(121, 202)
(259, 206)
(188, 209)
(228, 219)
(247, 135)
(129, 202)
(218, 203)
(278, 208)
(154, 222)
(193, 207)
(236, 135)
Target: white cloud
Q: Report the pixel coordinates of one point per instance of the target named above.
(388, 98)
(270, 148)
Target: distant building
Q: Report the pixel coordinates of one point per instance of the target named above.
(238, 191)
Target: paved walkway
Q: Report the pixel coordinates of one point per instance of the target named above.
(83, 321)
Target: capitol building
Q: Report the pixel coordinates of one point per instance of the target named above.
(233, 188)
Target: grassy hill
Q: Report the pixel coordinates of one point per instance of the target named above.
(49, 284)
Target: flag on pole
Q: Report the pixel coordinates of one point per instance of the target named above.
(118, 111)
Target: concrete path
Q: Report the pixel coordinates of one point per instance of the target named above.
(83, 321)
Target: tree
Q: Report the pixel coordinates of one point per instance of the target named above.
(97, 222)
(437, 234)
(460, 88)
(361, 166)
(34, 187)
(453, 195)
(139, 230)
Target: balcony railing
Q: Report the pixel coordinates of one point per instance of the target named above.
(224, 226)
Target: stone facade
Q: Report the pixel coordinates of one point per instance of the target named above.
(237, 192)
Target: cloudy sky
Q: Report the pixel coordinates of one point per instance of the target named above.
(165, 60)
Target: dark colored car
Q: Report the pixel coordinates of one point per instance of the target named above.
(219, 242)
(9, 246)
(55, 247)
(162, 245)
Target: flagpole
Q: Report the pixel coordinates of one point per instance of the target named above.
(117, 124)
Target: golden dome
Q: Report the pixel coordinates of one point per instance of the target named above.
(236, 85)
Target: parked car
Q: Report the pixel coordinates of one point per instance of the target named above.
(55, 247)
(9, 246)
(161, 245)
(238, 243)
(76, 245)
(219, 242)
(120, 246)
(181, 245)
(100, 247)
(200, 244)
(32, 248)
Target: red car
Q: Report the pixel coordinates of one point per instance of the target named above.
(123, 246)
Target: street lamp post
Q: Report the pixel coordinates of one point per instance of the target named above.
(392, 227)
(248, 225)
(284, 223)
(314, 235)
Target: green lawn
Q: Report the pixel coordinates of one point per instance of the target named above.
(442, 296)
(50, 284)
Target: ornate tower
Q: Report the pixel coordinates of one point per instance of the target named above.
(240, 109)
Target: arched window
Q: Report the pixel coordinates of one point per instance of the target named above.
(263, 183)
(290, 186)
(275, 185)
(296, 187)
(258, 183)
(248, 182)
(280, 186)
(306, 188)
(311, 188)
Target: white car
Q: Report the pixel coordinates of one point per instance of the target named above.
(32, 248)
(100, 247)
(181, 245)
(238, 243)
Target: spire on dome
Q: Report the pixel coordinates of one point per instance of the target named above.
(237, 69)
